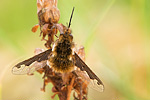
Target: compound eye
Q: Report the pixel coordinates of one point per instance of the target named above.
(61, 34)
(71, 36)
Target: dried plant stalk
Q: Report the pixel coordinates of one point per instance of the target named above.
(48, 16)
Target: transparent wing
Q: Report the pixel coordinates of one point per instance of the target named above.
(32, 64)
(29, 69)
(89, 82)
(95, 82)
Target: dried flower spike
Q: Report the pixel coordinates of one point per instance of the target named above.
(48, 16)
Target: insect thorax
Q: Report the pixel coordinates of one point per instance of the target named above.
(61, 60)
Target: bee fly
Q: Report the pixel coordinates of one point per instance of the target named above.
(62, 51)
(61, 58)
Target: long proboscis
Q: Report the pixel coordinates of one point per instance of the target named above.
(71, 18)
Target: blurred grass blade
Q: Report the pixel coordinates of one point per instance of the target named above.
(100, 17)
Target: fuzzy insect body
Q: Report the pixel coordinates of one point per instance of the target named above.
(62, 54)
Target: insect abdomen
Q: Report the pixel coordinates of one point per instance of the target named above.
(62, 61)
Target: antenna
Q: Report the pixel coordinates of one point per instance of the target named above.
(71, 17)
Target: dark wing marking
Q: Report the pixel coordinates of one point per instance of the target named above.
(80, 64)
(37, 60)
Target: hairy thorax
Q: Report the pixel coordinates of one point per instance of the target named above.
(62, 54)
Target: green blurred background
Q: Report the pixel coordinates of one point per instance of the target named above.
(115, 34)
